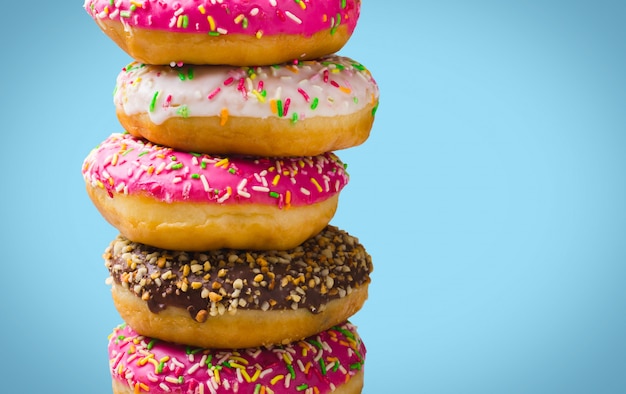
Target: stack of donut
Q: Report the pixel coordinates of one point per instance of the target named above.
(227, 272)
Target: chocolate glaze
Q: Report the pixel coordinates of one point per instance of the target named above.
(325, 267)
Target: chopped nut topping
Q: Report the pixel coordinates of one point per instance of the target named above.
(325, 267)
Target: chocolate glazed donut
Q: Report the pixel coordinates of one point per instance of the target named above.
(237, 298)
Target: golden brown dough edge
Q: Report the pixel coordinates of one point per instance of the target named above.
(242, 329)
(162, 47)
(199, 227)
(243, 135)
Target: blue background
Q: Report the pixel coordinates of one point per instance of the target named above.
(491, 196)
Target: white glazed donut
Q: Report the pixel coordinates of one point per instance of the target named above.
(296, 109)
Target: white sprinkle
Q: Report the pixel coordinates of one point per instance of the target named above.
(265, 372)
(164, 387)
(211, 383)
(293, 17)
(239, 376)
(205, 183)
(319, 354)
(193, 368)
(225, 197)
(287, 380)
(278, 93)
(160, 168)
(212, 389)
(118, 357)
(305, 191)
(325, 345)
(171, 379)
(260, 189)
(177, 363)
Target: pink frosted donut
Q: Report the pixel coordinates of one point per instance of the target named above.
(294, 109)
(329, 362)
(237, 32)
(187, 201)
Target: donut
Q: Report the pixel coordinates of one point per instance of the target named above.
(331, 361)
(236, 32)
(237, 298)
(302, 108)
(190, 201)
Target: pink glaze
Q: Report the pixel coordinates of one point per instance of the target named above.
(218, 17)
(317, 364)
(123, 164)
